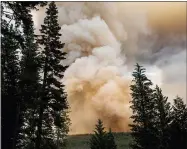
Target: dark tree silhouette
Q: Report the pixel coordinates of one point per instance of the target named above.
(178, 127)
(53, 103)
(143, 107)
(111, 144)
(101, 139)
(163, 120)
(10, 77)
(16, 29)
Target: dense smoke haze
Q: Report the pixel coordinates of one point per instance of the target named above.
(104, 40)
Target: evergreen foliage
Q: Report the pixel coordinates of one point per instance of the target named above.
(155, 123)
(111, 144)
(34, 104)
(17, 35)
(163, 120)
(53, 104)
(178, 127)
(10, 77)
(143, 107)
(29, 87)
(101, 139)
(98, 140)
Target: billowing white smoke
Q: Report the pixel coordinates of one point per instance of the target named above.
(103, 42)
(84, 38)
(97, 80)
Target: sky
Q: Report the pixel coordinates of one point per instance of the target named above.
(103, 41)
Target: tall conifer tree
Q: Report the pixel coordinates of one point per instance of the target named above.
(178, 126)
(99, 139)
(17, 28)
(143, 107)
(10, 77)
(53, 102)
(102, 139)
(29, 87)
(163, 118)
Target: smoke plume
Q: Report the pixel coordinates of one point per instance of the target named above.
(103, 41)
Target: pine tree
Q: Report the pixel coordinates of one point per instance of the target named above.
(143, 107)
(52, 96)
(99, 139)
(178, 126)
(10, 77)
(102, 139)
(163, 118)
(29, 87)
(61, 132)
(19, 12)
(110, 140)
(18, 37)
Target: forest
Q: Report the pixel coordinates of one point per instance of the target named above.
(35, 109)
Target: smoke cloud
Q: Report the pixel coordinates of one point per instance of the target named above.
(103, 41)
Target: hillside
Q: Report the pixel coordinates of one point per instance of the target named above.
(81, 141)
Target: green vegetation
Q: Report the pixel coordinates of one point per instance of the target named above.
(53, 121)
(34, 104)
(122, 140)
(155, 124)
(143, 107)
(102, 139)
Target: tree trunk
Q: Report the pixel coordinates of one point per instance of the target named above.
(16, 126)
(38, 138)
(39, 133)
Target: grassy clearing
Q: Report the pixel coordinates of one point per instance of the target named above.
(81, 141)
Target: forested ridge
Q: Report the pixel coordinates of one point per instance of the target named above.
(35, 110)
